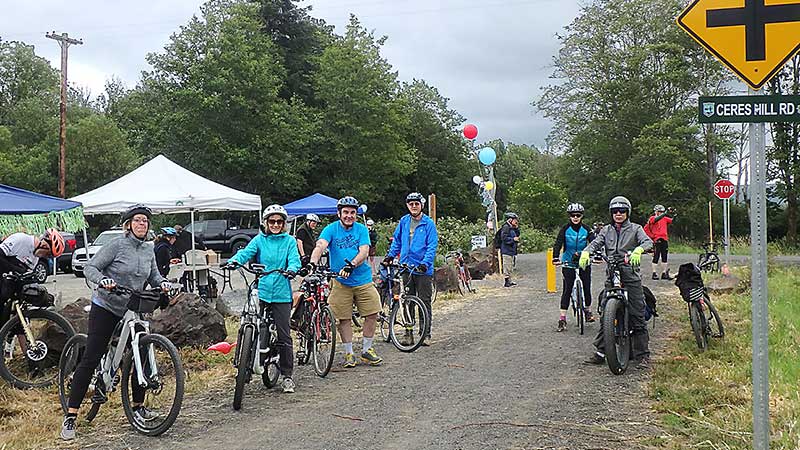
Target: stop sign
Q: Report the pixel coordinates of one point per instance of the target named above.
(724, 189)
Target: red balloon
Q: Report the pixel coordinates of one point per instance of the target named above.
(470, 131)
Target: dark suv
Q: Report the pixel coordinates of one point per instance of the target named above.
(64, 262)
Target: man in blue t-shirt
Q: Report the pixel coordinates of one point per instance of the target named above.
(348, 244)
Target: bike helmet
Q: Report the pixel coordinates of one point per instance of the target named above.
(134, 210)
(274, 209)
(575, 208)
(415, 197)
(619, 202)
(312, 218)
(346, 201)
(659, 208)
(55, 240)
(169, 231)
(512, 215)
(370, 222)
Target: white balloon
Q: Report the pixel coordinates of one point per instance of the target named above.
(477, 179)
(363, 208)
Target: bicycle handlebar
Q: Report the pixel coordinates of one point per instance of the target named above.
(402, 267)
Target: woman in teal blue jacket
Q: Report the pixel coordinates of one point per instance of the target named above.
(275, 249)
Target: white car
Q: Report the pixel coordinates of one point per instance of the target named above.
(79, 260)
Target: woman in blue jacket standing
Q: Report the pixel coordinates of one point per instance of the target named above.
(275, 249)
(573, 238)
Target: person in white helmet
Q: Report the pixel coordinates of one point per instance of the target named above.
(307, 238)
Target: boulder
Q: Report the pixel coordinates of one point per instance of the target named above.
(76, 315)
(481, 260)
(724, 285)
(479, 270)
(446, 278)
(231, 303)
(190, 322)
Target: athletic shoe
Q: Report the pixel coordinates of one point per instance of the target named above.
(562, 325)
(655, 276)
(643, 364)
(288, 386)
(589, 316)
(68, 428)
(596, 359)
(349, 361)
(371, 358)
(143, 414)
(665, 276)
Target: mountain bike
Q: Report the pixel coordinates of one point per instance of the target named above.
(317, 328)
(577, 298)
(464, 278)
(136, 360)
(408, 319)
(704, 318)
(32, 336)
(709, 259)
(615, 318)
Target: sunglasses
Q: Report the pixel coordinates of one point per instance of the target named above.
(619, 210)
(276, 222)
(576, 215)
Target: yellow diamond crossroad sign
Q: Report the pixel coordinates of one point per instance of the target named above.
(754, 38)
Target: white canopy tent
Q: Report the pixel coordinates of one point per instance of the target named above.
(166, 187)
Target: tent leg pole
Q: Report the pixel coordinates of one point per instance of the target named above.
(194, 270)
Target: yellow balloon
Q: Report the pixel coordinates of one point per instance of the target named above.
(489, 185)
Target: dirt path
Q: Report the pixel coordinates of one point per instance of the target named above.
(496, 377)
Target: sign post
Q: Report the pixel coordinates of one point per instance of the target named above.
(753, 38)
(724, 190)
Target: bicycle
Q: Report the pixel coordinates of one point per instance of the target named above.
(408, 320)
(33, 336)
(577, 298)
(145, 359)
(317, 329)
(256, 320)
(709, 259)
(704, 318)
(615, 317)
(464, 278)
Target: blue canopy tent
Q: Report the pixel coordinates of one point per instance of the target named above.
(22, 210)
(315, 204)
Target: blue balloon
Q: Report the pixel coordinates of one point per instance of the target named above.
(487, 156)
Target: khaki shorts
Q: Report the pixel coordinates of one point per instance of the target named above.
(508, 265)
(342, 299)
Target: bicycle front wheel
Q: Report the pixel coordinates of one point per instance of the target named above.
(408, 323)
(70, 357)
(616, 336)
(28, 365)
(162, 393)
(324, 348)
(579, 312)
(244, 367)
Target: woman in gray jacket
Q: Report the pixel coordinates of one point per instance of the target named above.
(130, 262)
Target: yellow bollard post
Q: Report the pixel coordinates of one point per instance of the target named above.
(551, 272)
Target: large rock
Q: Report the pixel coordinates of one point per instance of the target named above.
(190, 322)
(76, 315)
(479, 270)
(481, 262)
(724, 285)
(446, 278)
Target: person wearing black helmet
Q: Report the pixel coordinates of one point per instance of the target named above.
(573, 238)
(415, 242)
(509, 241)
(348, 242)
(621, 238)
(130, 261)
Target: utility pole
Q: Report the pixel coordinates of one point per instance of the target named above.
(64, 41)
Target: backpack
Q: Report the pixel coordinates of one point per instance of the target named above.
(650, 306)
(498, 238)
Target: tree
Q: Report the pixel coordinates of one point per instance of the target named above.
(539, 203)
(363, 125)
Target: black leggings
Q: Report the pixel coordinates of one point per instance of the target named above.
(569, 281)
(101, 326)
(660, 247)
(281, 313)
(422, 287)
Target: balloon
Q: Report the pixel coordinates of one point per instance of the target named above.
(487, 156)
(477, 179)
(489, 186)
(363, 208)
(470, 131)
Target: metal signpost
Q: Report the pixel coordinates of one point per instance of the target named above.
(753, 38)
(724, 190)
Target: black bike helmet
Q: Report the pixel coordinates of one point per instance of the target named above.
(134, 210)
(415, 197)
(346, 201)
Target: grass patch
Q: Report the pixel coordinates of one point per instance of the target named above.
(705, 398)
(740, 245)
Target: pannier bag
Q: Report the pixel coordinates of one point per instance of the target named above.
(690, 282)
(37, 295)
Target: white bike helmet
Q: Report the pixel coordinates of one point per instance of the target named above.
(620, 202)
(274, 209)
(370, 222)
(575, 208)
(659, 208)
(312, 218)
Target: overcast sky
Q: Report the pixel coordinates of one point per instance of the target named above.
(490, 57)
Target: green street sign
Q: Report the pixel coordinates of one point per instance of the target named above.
(749, 109)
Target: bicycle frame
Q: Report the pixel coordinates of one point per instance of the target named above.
(112, 359)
